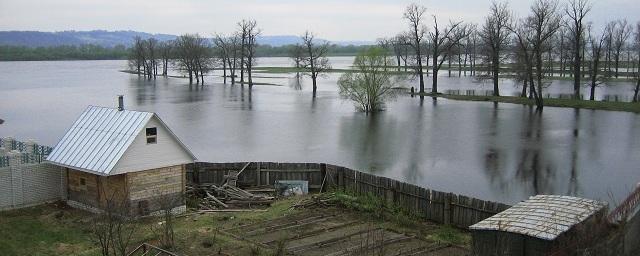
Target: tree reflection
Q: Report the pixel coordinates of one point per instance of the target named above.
(573, 179)
(296, 82)
(532, 168)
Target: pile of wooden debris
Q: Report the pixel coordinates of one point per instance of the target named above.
(229, 198)
(319, 200)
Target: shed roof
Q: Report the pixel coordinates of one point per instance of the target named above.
(542, 216)
(99, 138)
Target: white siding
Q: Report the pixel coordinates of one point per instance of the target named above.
(142, 156)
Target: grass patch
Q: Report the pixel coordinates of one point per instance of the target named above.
(55, 229)
(45, 230)
(393, 217)
(287, 70)
(561, 103)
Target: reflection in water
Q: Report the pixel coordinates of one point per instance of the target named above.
(533, 168)
(501, 152)
(295, 82)
(573, 179)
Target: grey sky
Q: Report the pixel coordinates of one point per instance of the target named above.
(330, 19)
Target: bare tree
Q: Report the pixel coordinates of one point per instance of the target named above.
(620, 35)
(113, 228)
(524, 58)
(252, 32)
(222, 50)
(228, 49)
(316, 61)
(151, 52)
(596, 44)
(637, 73)
(610, 31)
(414, 15)
(165, 230)
(562, 41)
(297, 53)
(242, 34)
(534, 32)
(166, 50)
(442, 41)
(137, 55)
(193, 56)
(495, 36)
(577, 10)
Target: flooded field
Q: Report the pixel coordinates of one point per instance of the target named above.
(498, 152)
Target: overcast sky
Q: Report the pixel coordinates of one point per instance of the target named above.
(331, 19)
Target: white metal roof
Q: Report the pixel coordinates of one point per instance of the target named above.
(99, 138)
(542, 216)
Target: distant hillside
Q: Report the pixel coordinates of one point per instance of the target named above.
(95, 37)
(112, 38)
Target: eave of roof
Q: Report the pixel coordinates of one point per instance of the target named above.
(542, 216)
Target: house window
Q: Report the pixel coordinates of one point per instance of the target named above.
(152, 135)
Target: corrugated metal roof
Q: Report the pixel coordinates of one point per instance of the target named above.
(98, 139)
(542, 216)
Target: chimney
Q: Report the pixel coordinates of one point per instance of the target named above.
(120, 103)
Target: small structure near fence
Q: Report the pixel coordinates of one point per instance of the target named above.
(441, 207)
(542, 225)
(122, 157)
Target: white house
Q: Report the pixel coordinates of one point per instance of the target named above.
(122, 156)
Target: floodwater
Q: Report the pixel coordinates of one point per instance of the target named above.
(500, 152)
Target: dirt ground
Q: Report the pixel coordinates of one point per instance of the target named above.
(335, 231)
(56, 229)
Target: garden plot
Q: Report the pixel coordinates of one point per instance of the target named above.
(333, 231)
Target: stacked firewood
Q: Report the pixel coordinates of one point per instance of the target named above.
(215, 197)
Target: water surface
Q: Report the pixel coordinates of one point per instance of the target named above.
(500, 152)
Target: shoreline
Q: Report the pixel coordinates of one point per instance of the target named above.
(632, 107)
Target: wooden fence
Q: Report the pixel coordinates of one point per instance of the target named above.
(437, 206)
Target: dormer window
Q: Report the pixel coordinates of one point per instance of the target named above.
(152, 135)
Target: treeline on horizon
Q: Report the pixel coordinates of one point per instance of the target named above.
(120, 52)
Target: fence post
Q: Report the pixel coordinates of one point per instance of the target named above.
(447, 209)
(7, 144)
(340, 173)
(30, 151)
(258, 174)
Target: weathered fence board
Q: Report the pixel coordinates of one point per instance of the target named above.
(437, 206)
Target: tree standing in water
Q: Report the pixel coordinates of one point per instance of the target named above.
(577, 10)
(316, 61)
(370, 86)
(414, 14)
(495, 35)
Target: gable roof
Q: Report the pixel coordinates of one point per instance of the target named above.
(99, 138)
(542, 216)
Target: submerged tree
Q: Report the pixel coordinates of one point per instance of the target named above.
(249, 34)
(577, 10)
(297, 54)
(370, 85)
(596, 44)
(637, 73)
(193, 56)
(621, 34)
(495, 36)
(442, 42)
(414, 14)
(316, 60)
(533, 35)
